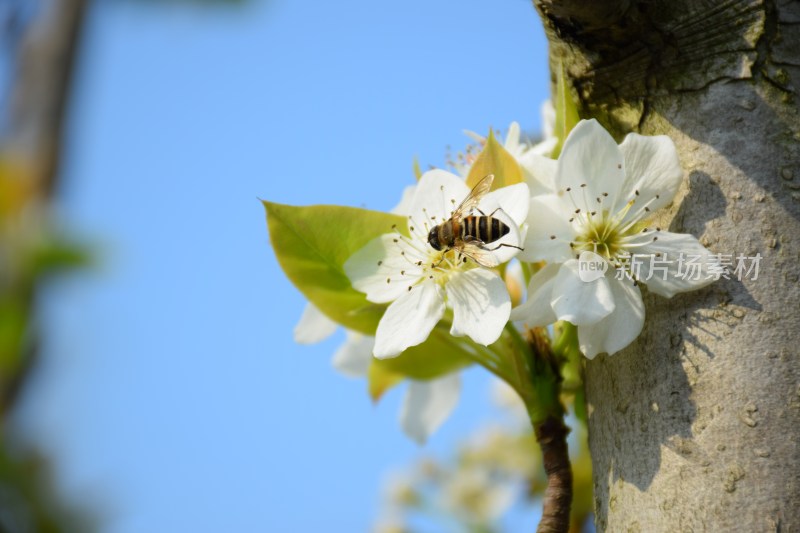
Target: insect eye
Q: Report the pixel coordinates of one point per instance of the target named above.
(433, 239)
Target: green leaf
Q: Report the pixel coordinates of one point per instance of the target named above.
(494, 159)
(13, 325)
(380, 379)
(437, 356)
(312, 244)
(566, 110)
(56, 255)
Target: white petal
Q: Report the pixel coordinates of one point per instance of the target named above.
(537, 311)
(511, 143)
(590, 157)
(514, 200)
(545, 147)
(515, 280)
(618, 329)
(437, 195)
(409, 320)
(508, 246)
(404, 207)
(548, 217)
(427, 405)
(313, 326)
(652, 167)
(539, 172)
(478, 138)
(683, 264)
(354, 355)
(510, 206)
(481, 305)
(381, 271)
(580, 302)
(548, 112)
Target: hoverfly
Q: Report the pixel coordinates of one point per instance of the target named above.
(469, 234)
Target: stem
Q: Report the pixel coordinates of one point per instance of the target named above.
(552, 437)
(530, 367)
(547, 417)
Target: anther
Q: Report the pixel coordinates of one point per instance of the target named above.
(605, 194)
(583, 185)
(552, 237)
(388, 280)
(380, 263)
(577, 210)
(637, 192)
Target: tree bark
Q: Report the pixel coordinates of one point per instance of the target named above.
(695, 427)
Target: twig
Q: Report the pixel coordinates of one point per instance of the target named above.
(552, 437)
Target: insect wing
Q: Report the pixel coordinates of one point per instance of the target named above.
(473, 198)
(475, 251)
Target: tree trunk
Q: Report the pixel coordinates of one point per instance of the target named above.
(695, 427)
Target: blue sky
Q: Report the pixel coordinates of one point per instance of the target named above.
(172, 394)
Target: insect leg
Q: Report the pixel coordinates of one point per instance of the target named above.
(502, 245)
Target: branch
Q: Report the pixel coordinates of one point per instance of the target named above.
(552, 437)
(547, 417)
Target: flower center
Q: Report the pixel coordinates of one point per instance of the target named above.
(600, 234)
(442, 265)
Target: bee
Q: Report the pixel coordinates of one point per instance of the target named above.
(469, 234)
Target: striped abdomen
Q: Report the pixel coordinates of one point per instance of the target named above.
(483, 228)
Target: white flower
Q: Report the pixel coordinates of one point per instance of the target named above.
(513, 144)
(313, 326)
(421, 282)
(426, 404)
(549, 139)
(601, 195)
